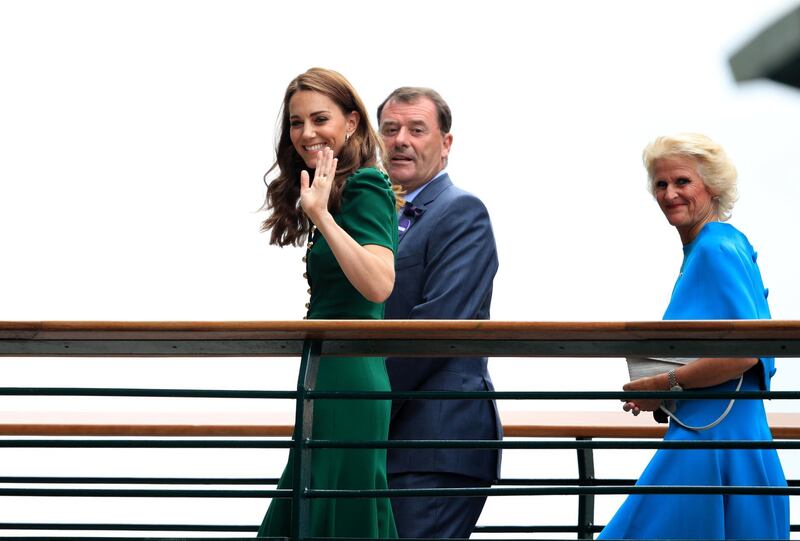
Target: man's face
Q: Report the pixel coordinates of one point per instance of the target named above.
(416, 149)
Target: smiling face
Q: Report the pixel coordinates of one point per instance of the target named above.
(416, 149)
(682, 195)
(316, 122)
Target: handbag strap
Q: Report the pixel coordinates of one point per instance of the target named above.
(710, 425)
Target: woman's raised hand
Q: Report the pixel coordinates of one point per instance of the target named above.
(314, 196)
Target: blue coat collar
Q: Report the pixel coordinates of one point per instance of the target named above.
(432, 190)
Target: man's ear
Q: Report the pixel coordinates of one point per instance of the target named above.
(447, 141)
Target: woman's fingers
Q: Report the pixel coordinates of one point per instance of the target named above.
(329, 165)
(329, 171)
(314, 195)
(326, 171)
(631, 407)
(324, 161)
(326, 168)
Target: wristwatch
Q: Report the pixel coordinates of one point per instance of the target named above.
(672, 380)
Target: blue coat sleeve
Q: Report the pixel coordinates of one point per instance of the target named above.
(721, 280)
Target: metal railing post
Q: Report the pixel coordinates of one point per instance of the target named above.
(304, 411)
(585, 501)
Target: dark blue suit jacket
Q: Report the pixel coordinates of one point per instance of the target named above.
(445, 264)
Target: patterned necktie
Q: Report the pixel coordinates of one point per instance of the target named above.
(408, 214)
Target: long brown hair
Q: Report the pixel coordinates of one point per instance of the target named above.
(287, 222)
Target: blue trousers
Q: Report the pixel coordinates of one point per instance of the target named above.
(437, 516)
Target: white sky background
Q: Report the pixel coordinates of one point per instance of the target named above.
(134, 135)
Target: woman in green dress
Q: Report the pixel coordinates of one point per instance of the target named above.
(348, 215)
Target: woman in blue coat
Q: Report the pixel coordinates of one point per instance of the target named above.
(694, 184)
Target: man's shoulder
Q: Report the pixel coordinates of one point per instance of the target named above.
(454, 194)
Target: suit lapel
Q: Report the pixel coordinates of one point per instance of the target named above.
(425, 198)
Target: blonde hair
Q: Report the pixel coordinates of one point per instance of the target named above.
(713, 165)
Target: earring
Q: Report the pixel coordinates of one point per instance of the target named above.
(346, 137)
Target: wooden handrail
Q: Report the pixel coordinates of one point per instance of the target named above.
(416, 338)
(519, 424)
(402, 329)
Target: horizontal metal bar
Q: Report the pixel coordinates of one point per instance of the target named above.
(148, 444)
(168, 393)
(564, 348)
(251, 538)
(138, 480)
(50, 538)
(553, 444)
(144, 493)
(595, 528)
(67, 538)
(63, 526)
(217, 481)
(151, 348)
(236, 527)
(394, 493)
(128, 538)
(706, 347)
(533, 529)
(525, 529)
(554, 395)
(549, 491)
(388, 395)
(585, 482)
(566, 481)
(247, 528)
(399, 444)
(135, 527)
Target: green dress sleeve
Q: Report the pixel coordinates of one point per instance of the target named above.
(368, 212)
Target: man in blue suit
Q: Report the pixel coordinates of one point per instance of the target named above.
(445, 265)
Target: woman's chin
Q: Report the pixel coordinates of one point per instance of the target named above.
(674, 220)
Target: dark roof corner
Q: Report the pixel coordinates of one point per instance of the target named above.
(774, 53)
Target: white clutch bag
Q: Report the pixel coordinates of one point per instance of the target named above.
(643, 367)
